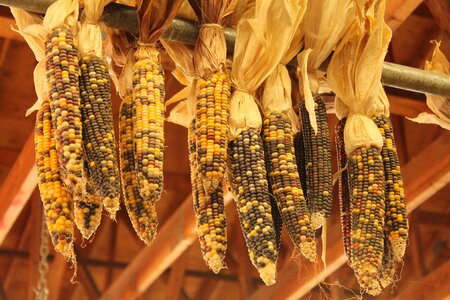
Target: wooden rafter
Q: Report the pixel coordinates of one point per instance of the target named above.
(177, 234)
(440, 9)
(176, 276)
(406, 107)
(424, 176)
(17, 187)
(56, 277)
(397, 11)
(35, 242)
(433, 286)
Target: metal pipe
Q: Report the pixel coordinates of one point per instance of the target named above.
(124, 17)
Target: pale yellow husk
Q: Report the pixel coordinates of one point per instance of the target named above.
(438, 104)
(354, 74)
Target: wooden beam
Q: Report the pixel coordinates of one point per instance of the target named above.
(424, 176)
(402, 106)
(440, 9)
(88, 282)
(176, 235)
(433, 286)
(35, 243)
(397, 11)
(427, 218)
(176, 277)
(17, 187)
(56, 277)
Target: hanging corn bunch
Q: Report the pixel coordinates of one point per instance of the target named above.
(213, 91)
(279, 126)
(55, 198)
(96, 110)
(63, 82)
(209, 209)
(255, 57)
(354, 75)
(324, 24)
(154, 17)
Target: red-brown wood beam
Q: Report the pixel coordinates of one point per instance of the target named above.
(402, 106)
(55, 277)
(397, 11)
(440, 9)
(424, 176)
(176, 235)
(176, 277)
(35, 242)
(17, 187)
(433, 286)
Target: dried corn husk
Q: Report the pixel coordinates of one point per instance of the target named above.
(438, 104)
(324, 24)
(354, 74)
(277, 87)
(262, 29)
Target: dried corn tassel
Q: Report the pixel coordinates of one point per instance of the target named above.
(141, 211)
(285, 180)
(62, 76)
(366, 186)
(249, 180)
(396, 222)
(209, 212)
(55, 198)
(344, 195)
(88, 209)
(148, 124)
(98, 131)
(319, 181)
(212, 112)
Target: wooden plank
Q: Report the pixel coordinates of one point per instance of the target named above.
(176, 276)
(433, 286)
(88, 282)
(35, 243)
(424, 176)
(440, 9)
(55, 277)
(176, 235)
(402, 106)
(17, 188)
(398, 11)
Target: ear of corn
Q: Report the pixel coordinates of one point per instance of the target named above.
(396, 222)
(141, 211)
(285, 180)
(388, 268)
(88, 209)
(249, 181)
(366, 186)
(301, 163)
(344, 194)
(148, 126)
(98, 131)
(62, 75)
(212, 112)
(209, 211)
(55, 198)
(319, 181)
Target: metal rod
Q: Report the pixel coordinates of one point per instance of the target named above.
(124, 17)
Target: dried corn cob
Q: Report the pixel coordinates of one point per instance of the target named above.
(142, 212)
(88, 209)
(285, 180)
(209, 212)
(98, 131)
(62, 77)
(55, 198)
(212, 112)
(366, 186)
(249, 180)
(396, 222)
(148, 126)
(344, 195)
(301, 163)
(319, 181)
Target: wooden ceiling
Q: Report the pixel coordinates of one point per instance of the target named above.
(117, 263)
